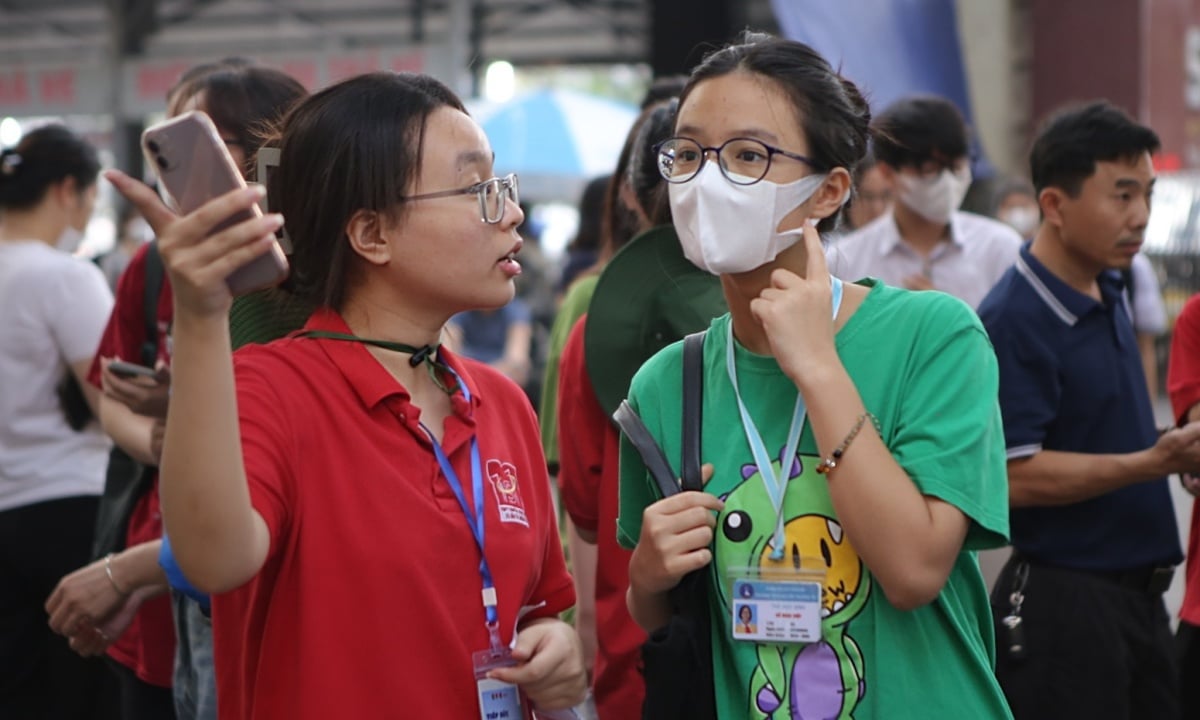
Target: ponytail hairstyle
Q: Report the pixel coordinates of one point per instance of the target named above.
(45, 157)
(832, 112)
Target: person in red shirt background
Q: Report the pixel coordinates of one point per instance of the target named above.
(1183, 388)
(373, 518)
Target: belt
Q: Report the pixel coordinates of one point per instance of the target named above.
(1149, 580)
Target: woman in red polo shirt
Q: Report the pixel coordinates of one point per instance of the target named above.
(334, 489)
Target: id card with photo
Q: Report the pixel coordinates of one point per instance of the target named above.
(781, 611)
(497, 700)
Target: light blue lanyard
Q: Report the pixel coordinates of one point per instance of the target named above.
(775, 483)
(474, 520)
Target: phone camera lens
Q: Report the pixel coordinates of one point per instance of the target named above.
(152, 146)
(162, 162)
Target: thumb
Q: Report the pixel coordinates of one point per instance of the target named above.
(527, 643)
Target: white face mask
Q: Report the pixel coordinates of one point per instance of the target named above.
(1022, 219)
(728, 228)
(935, 199)
(70, 240)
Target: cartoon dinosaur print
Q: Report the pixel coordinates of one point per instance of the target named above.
(824, 680)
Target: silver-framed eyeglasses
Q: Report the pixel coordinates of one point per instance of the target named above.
(743, 161)
(491, 193)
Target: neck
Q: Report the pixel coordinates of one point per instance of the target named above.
(367, 317)
(1050, 250)
(920, 233)
(742, 288)
(32, 225)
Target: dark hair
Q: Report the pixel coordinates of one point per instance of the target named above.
(831, 111)
(45, 157)
(590, 235)
(1070, 144)
(620, 223)
(642, 174)
(356, 145)
(912, 131)
(244, 99)
(663, 88)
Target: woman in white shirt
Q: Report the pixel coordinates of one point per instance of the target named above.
(53, 308)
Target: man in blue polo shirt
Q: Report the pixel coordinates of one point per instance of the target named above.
(1082, 631)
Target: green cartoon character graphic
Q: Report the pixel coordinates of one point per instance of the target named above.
(825, 679)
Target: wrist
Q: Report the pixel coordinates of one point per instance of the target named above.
(814, 371)
(122, 589)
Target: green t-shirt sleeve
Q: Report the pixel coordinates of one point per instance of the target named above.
(950, 436)
(573, 307)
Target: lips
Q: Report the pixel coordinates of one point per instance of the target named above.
(512, 253)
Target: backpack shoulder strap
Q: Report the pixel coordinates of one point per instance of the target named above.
(153, 288)
(693, 399)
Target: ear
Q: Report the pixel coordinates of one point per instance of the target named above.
(66, 192)
(1051, 200)
(830, 195)
(366, 232)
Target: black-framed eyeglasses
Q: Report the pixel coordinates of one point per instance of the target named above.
(743, 161)
(491, 193)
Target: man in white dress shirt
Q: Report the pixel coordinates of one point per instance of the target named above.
(924, 242)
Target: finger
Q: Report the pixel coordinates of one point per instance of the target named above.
(199, 224)
(220, 245)
(157, 215)
(533, 672)
(815, 267)
(689, 541)
(221, 266)
(691, 562)
(694, 498)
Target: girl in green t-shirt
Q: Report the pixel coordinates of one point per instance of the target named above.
(851, 432)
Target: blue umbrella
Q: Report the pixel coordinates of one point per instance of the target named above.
(556, 139)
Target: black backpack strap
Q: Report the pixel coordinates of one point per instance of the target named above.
(652, 455)
(693, 398)
(153, 288)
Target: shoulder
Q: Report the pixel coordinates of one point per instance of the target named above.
(867, 237)
(1189, 317)
(936, 314)
(649, 381)
(1012, 301)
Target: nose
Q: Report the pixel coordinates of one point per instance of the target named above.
(513, 214)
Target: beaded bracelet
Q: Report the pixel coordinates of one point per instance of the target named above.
(831, 462)
(109, 572)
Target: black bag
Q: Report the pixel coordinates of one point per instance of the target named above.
(677, 658)
(127, 480)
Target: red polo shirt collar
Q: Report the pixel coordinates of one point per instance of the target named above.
(371, 380)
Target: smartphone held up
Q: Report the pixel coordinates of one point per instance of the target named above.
(194, 166)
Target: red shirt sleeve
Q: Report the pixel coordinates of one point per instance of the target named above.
(1183, 370)
(126, 330)
(582, 423)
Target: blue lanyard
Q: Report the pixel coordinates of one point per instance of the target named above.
(474, 520)
(775, 483)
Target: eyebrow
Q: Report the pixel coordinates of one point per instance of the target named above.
(474, 156)
(757, 133)
(1131, 184)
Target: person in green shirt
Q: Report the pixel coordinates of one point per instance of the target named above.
(852, 440)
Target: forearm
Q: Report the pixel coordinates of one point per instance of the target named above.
(650, 611)
(218, 539)
(130, 431)
(137, 568)
(1149, 362)
(893, 528)
(1061, 478)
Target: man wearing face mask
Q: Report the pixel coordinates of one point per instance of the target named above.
(925, 242)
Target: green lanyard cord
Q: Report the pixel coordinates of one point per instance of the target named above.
(429, 355)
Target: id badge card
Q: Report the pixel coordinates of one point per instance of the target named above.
(776, 610)
(497, 700)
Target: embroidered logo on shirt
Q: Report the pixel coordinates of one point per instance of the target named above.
(503, 477)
